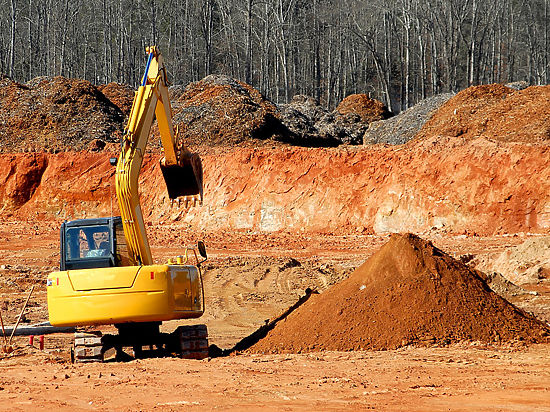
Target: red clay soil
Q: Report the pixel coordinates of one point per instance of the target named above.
(55, 113)
(370, 110)
(493, 112)
(480, 187)
(221, 110)
(409, 292)
(121, 95)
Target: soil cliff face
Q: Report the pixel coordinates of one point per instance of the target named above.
(478, 187)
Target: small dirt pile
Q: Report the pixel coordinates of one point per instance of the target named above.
(55, 113)
(409, 292)
(369, 110)
(121, 95)
(313, 125)
(494, 112)
(219, 110)
(403, 127)
(526, 263)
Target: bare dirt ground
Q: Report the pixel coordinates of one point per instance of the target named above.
(474, 182)
(412, 379)
(248, 279)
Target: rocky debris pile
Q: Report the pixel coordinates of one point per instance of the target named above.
(403, 127)
(219, 110)
(313, 125)
(55, 113)
(121, 95)
(301, 117)
(494, 112)
(409, 292)
(503, 286)
(526, 263)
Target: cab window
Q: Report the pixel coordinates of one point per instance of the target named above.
(87, 242)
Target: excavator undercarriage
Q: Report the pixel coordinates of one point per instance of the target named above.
(142, 340)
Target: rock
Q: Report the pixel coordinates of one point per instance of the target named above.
(313, 125)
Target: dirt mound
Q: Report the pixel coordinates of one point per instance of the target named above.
(403, 127)
(409, 292)
(313, 125)
(121, 95)
(526, 263)
(219, 110)
(369, 110)
(494, 112)
(55, 113)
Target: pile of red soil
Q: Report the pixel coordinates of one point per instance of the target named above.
(494, 112)
(55, 113)
(409, 292)
(121, 95)
(221, 110)
(369, 110)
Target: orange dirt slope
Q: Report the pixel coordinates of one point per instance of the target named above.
(479, 187)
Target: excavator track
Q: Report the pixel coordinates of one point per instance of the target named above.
(187, 342)
(87, 347)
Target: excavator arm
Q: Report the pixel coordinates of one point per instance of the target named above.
(182, 170)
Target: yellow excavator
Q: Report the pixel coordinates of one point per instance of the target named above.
(107, 275)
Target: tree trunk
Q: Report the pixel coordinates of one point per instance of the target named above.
(13, 20)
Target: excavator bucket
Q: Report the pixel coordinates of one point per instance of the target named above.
(184, 179)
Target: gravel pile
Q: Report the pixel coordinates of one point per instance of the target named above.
(403, 127)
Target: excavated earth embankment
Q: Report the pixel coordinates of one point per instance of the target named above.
(409, 292)
(478, 187)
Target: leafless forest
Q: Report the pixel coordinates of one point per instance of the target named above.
(398, 51)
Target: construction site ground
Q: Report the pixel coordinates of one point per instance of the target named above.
(249, 279)
(468, 173)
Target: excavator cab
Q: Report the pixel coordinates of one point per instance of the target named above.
(92, 243)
